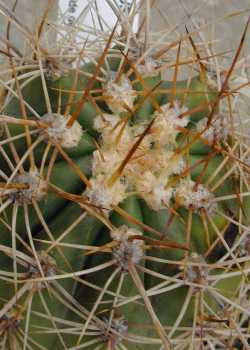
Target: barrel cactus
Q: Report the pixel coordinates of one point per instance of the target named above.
(124, 203)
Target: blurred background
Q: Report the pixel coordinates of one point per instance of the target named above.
(216, 25)
(225, 18)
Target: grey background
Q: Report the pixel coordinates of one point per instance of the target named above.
(226, 31)
(29, 12)
(212, 21)
(166, 15)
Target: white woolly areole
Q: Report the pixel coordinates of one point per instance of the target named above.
(114, 134)
(165, 128)
(115, 331)
(106, 122)
(218, 131)
(160, 161)
(196, 270)
(59, 132)
(148, 140)
(37, 188)
(48, 265)
(104, 196)
(104, 161)
(153, 190)
(150, 67)
(194, 196)
(119, 94)
(128, 249)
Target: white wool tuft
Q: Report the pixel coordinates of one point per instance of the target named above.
(37, 188)
(217, 131)
(103, 196)
(167, 122)
(153, 190)
(119, 94)
(194, 196)
(59, 132)
(115, 135)
(128, 249)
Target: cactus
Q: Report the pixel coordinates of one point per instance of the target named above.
(124, 213)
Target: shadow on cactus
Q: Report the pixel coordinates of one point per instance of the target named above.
(124, 205)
